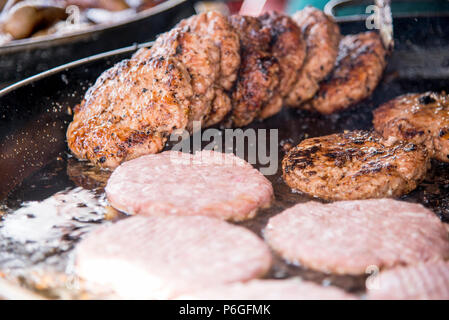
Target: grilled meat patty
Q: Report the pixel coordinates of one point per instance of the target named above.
(215, 69)
(347, 237)
(358, 70)
(288, 47)
(215, 27)
(130, 111)
(322, 36)
(354, 165)
(418, 118)
(258, 75)
(201, 58)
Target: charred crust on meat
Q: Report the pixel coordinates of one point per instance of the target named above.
(420, 118)
(346, 162)
(427, 99)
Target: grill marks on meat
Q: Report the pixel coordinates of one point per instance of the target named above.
(346, 237)
(289, 48)
(290, 289)
(354, 165)
(172, 183)
(164, 257)
(258, 76)
(201, 58)
(214, 69)
(358, 69)
(130, 110)
(136, 105)
(322, 36)
(215, 27)
(425, 281)
(418, 118)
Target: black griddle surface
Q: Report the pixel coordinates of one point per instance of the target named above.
(36, 115)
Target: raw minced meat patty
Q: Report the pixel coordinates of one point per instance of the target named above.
(290, 289)
(322, 36)
(163, 257)
(208, 183)
(289, 48)
(424, 281)
(258, 76)
(358, 70)
(346, 237)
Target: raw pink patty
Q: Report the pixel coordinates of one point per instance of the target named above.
(291, 289)
(423, 281)
(346, 237)
(162, 257)
(208, 183)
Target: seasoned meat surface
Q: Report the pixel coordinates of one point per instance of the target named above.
(173, 183)
(164, 257)
(221, 107)
(357, 237)
(259, 71)
(216, 69)
(359, 67)
(322, 36)
(200, 57)
(419, 118)
(288, 47)
(354, 165)
(130, 111)
(215, 27)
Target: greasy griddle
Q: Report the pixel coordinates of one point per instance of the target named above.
(27, 57)
(35, 162)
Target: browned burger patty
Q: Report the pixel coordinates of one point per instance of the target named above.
(358, 70)
(215, 27)
(130, 111)
(201, 58)
(418, 118)
(259, 71)
(354, 165)
(288, 47)
(322, 36)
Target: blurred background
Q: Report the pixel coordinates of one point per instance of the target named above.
(36, 35)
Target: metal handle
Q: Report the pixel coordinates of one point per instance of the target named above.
(383, 16)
